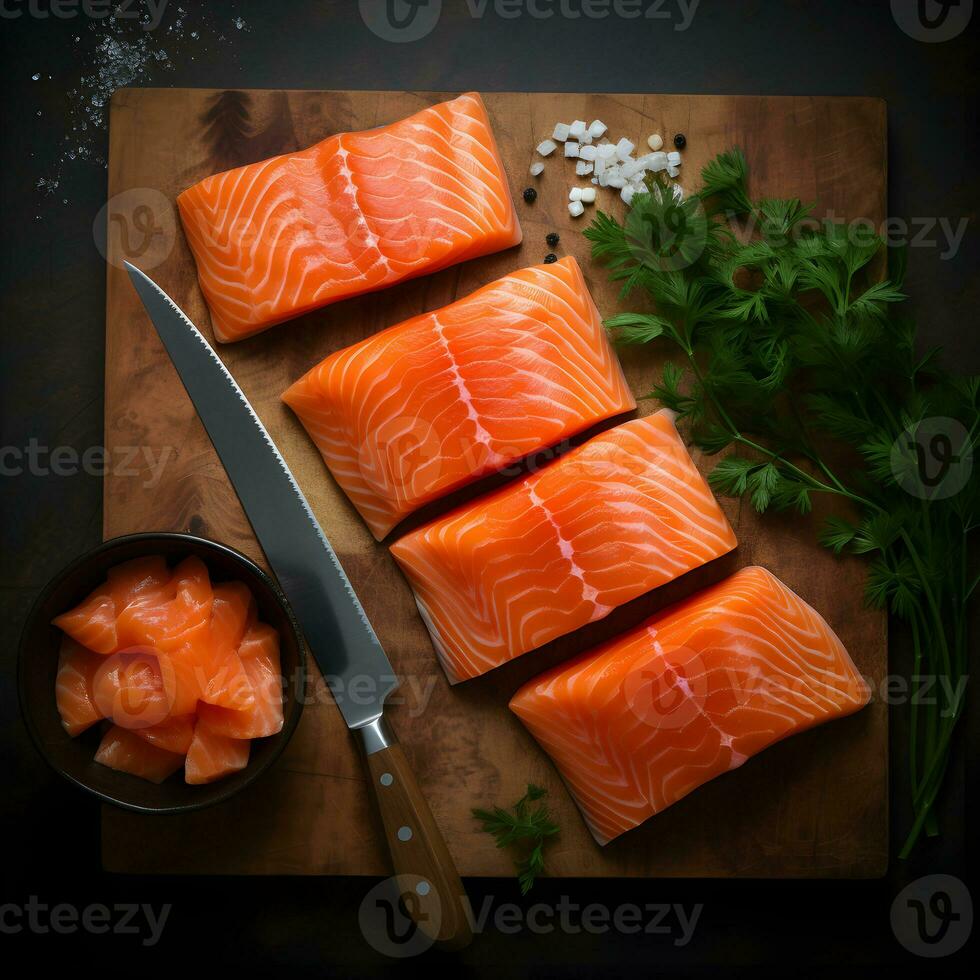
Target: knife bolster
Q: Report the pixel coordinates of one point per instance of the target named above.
(376, 735)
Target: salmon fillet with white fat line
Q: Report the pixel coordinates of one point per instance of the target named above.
(641, 721)
(444, 398)
(622, 514)
(350, 215)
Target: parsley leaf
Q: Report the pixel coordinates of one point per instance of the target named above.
(530, 827)
(795, 353)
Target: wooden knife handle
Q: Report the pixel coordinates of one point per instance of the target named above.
(437, 903)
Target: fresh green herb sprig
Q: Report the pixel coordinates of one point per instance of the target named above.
(794, 357)
(527, 826)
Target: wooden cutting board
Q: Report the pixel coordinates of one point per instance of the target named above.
(815, 805)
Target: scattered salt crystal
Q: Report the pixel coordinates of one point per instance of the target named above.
(624, 148)
(632, 167)
(561, 132)
(576, 209)
(546, 147)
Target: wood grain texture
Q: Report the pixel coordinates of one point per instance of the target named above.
(815, 805)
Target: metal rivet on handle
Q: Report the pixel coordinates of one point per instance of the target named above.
(423, 888)
(404, 833)
(387, 779)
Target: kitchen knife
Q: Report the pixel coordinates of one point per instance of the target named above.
(337, 630)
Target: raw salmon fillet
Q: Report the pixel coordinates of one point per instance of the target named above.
(622, 514)
(212, 756)
(259, 656)
(643, 720)
(125, 751)
(355, 213)
(444, 398)
(74, 694)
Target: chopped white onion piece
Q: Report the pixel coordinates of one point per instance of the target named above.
(582, 168)
(604, 179)
(576, 209)
(575, 194)
(655, 142)
(673, 171)
(627, 194)
(607, 150)
(588, 195)
(657, 162)
(674, 158)
(585, 140)
(597, 128)
(624, 148)
(678, 192)
(600, 165)
(616, 180)
(546, 147)
(561, 132)
(537, 168)
(571, 149)
(577, 129)
(588, 152)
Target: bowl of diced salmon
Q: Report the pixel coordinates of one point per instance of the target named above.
(161, 672)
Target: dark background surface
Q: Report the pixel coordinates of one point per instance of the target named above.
(52, 361)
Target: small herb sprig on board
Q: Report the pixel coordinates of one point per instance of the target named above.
(527, 826)
(794, 356)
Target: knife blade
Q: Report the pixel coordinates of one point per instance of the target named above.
(337, 630)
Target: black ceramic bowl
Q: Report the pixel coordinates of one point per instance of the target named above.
(38, 662)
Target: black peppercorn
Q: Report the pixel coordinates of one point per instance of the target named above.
(530, 195)
(680, 141)
(552, 239)
(549, 258)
